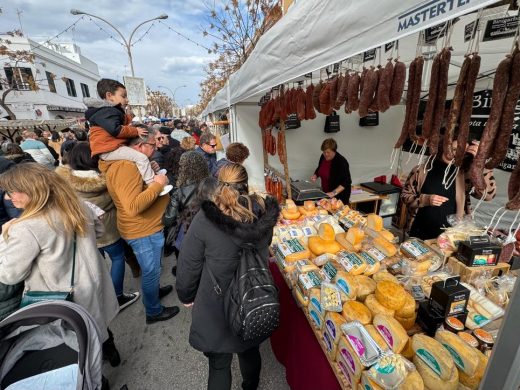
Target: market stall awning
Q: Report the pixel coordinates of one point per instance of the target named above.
(318, 33)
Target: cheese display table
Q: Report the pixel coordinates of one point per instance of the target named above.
(360, 309)
(296, 347)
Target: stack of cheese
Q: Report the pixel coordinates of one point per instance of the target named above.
(331, 205)
(308, 209)
(324, 242)
(290, 211)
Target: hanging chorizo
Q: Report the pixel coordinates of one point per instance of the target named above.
(456, 104)
(404, 130)
(467, 109)
(342, 94)
(325, 107)
(300, 104)
(440, 104)
(352, 103)
(498, 96)
(432, 97)
(367, 94)
(316, 95)
(398, 80)
(309, 108)
(383, 89)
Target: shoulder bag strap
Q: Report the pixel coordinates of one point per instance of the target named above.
(73, 263)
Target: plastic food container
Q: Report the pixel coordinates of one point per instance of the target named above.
(469, 339)
(453, 324)
(485, 340)
(364, 346)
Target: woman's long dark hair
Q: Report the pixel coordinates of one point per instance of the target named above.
(80, 158)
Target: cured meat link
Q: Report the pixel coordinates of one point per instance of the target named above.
(352, 103)
(367, 95)
(467, 109)
(432, 98)
(398, 80)
(498, 96)
(416, 99)
(404, 130)
(383, 89)
(507, 119)
(455, 108)
(440, 102)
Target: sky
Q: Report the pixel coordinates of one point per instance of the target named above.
(162, 57)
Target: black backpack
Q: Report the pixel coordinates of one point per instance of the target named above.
(251, 304)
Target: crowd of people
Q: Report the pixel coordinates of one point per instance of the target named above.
(85, 202)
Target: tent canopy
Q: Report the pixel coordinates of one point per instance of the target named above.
(303, 40)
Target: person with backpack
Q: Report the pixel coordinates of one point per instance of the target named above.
(225, 236)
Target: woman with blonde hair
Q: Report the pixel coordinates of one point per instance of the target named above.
(213, 240)
(55, 227)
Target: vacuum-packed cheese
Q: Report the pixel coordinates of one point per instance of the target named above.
(432, 381)
(392, 331)
(366, 286)
(435, 356)
(347, 354)
(464, 356)
(473, 382)
(380, 341)
(347, 285)
(333, 322)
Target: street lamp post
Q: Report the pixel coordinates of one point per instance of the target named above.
(173, 94)
(127, 43)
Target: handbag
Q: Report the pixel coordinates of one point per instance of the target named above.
(332, 123)
(30, 297)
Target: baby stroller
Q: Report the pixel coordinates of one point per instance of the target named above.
(52, 346)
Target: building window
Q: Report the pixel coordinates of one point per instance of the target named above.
(50, 81)
(20, 79)
(71, 88)
(84, 90)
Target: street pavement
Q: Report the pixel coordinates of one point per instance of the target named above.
(158, 356)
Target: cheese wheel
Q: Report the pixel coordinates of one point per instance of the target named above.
(384, 275)
(291, 215)
(355, 236)
(333, 322)
(376, 308)
(319, 246)
(375, 222)
(392, 331)
(387, 235)
(307, 213)
(356, 311)
(347, 285)
(390, 294)
(309, 205)
(290, 205)
(413, 381)
(473, 382)
(408, 351)
(342, 240)
(347, 354)
(330, 347)
(408, 309)
(380, 341)
(326, 232)
(366, 286)
(431, 379)
(407, 322)
(316, 319)
(464, 356)
(437, 357)
(385, 246)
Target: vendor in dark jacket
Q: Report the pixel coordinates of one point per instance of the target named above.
(214, 240)
(334, 172)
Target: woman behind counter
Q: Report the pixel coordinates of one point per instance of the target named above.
(334, 172)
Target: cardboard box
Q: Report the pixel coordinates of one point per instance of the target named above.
(467, 274)
(449, 297)
(479, 252)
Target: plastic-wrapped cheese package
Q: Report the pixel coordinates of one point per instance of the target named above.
(390, 371)
(331, 297)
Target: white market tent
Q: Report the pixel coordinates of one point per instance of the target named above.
(334, 31)
(315, 34)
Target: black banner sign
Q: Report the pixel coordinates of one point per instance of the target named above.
(389, 46)
(500, 28)
(369, 55)
(469, 31)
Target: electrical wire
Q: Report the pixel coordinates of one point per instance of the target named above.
(106, 32)
(185, 37)
(57, 35)
(142, 36)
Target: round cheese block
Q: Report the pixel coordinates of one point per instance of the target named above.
(431, 380)
(390, 294)
(408, 351)
(407, 322)
(319, 246)
(376, 308)
(366, 286)
(384, 275)
(473, 382)
(291, 215)
(413, 381)
(309, 205)
(290, 205)
(326, 232)
(356, 311)
(408, 309)
(380, 341)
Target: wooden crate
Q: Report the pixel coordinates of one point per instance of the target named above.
(467, 274)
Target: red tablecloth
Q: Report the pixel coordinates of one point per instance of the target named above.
(296, 347)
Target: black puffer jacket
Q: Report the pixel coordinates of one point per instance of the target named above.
(212, 238)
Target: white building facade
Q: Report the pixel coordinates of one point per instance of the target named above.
(52, 86)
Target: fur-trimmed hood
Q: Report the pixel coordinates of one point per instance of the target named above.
(246, 232)
(90, 184)
(96, 105)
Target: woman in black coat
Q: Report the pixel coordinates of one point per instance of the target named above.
(213, 238)
(334, 172)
